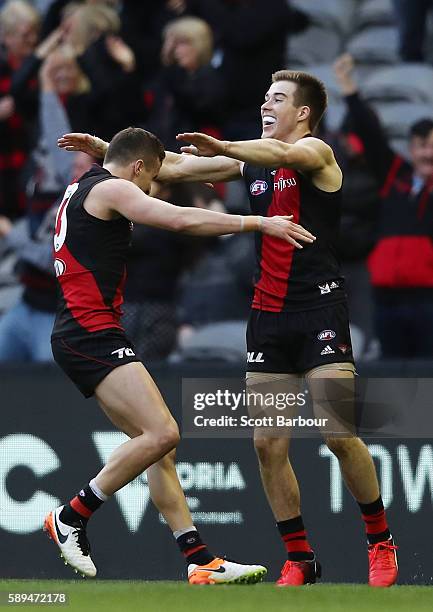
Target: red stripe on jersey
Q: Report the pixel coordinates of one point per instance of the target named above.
(83, 297)
(277, 255)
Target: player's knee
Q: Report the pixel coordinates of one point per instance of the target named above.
(342, 447)
(168, 438)
(271, 450)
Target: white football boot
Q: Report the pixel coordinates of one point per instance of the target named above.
(73, 543)
(222, 571)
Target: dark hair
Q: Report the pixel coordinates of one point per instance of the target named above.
(132, 144)
(310, 92)
(421, 128)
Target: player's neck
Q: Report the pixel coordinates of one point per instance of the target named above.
(296, 135)
(119, 171)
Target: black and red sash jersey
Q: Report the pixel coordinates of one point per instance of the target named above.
(287, 278)
(90, 262)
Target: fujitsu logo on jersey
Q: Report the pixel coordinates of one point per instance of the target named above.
(283, 183)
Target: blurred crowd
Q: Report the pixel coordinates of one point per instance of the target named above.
(173, 66)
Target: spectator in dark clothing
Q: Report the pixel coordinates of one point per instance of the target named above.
(19, 24)
(401, 264)
(252, 37)
(25, 329)
(412, 17)
(190, 93)
(115, 83)
(218, 287)
(156, 260)
(359, 217)
(142, 27)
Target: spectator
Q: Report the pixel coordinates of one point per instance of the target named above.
(252, 37)
(217, 289)
(156, 261)
(190, 93)
(26, 328)
(142, 27)
(19, 23)
(360, 210)
(401, 264)
(412, 24)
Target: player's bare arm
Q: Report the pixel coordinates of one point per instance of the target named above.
(309, 155)
(175, 168)
(111, 198)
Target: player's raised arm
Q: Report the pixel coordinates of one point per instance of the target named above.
(191, 168)
(175, 168)
(128, 200)
(307, 154)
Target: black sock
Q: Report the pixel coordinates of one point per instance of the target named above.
(80, 508)
(193, 549)
(295, 540)
(376, 526)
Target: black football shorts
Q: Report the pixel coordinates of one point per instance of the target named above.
(88, 358)
(296, 342)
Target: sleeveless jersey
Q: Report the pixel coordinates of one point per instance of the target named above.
(90, 262)
(287, 278)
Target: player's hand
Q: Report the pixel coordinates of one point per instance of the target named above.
(284, 228)
(92, 145)
(202, 144)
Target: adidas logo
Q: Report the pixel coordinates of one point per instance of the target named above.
(327, 350)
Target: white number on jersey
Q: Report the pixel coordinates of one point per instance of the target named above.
(61, 218)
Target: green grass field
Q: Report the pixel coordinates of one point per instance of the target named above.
(121, 596)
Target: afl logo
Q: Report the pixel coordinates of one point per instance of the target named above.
(326, 334)
(258, 187)
(59, 266)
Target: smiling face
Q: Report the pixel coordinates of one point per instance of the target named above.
(280, 117)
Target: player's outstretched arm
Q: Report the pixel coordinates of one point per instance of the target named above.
(175, 168)
(129, 201)
(308, 154)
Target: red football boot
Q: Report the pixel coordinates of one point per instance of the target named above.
(383, 566)
(297, 573)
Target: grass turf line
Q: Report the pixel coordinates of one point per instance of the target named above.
(125, 596)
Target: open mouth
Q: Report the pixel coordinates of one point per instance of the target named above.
(268, 120)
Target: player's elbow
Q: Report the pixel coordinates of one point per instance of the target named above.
(179, 222)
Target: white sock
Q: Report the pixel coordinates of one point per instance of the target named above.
(180, 532)
(97, 491)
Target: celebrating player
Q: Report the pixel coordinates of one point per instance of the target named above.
(92, 235)
(299, 320)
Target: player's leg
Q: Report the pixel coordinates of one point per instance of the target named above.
(133, 403)
(281, 486)
(203, 566)
(332, 390)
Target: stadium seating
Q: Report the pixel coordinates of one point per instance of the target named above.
(377, 45)
(332, 14)
(403, 82)
(374, 13)
(313, 46)
(397, 117)
(223, 341)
